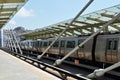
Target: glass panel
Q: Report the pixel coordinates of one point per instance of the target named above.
(50, 42)
(40, 44)
(62, 43)
(80, 41)
(109, 45)
(45, 44)
(37, 43)
(56, 44)
(70, 44)
(115, 45)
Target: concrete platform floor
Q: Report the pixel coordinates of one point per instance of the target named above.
(12, 68)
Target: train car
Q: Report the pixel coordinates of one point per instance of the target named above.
(68, 44)
(64, 45)
(85, 52)
(39, 45)
(108, 48)
(44, 45)
(22, 44)
(26, 45)
(102, 48)
(55, 48)
(60, 47)
(35, 45)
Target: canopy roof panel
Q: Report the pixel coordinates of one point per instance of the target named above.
(8, 8)
(85, 24)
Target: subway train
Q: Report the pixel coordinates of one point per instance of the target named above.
(104, 47)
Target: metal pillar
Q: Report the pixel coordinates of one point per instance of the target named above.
(16, 42)
(101, 72)
(59, 61)
(9, 42)
(12, 39)
(84, 8)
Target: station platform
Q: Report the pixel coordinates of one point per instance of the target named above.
(12, 68)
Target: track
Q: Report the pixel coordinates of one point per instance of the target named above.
(81, 69)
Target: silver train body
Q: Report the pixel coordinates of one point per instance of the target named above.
(102, 48)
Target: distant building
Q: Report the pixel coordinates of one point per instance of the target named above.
(18, 31)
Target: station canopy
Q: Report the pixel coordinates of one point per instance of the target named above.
(85, 24)
(8, 9)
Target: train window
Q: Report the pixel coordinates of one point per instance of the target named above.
(50, 42)
(28, 43)
(62, 44)
(80, 41)
(56, 44)
(109, 44)
(70, 44)
(112, 44)
(115, 45)
(33, 44)
(45, 44)
(36, 43)
(40, 44)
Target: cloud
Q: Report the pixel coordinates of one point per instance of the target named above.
(25, 13)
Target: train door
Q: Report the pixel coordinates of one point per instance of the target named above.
(50, 50)
(112, 50)
(55, 48)
(39, 46)
(62, 47)
(44, 46)
(81, 52)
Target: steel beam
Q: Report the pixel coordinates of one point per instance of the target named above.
(7, 9)
(101, 72)
(12, 1)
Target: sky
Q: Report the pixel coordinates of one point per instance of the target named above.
(41, 13)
